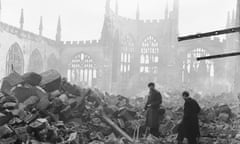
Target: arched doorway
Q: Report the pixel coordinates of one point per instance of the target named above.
(197, 73)
(149, 58)
(15, 59)
(35, 62)
(82, 70)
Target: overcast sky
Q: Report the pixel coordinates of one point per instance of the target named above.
(83, 19)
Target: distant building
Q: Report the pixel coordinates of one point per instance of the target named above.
(130, 53)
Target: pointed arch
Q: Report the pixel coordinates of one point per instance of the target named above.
(193, 69)
(35, 62)
(191, 64)
(15, 58)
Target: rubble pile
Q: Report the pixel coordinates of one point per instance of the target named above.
(46, 108)
(219, 125)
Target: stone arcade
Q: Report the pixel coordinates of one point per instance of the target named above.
(129, 53)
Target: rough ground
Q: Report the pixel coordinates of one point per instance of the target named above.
(45, 108)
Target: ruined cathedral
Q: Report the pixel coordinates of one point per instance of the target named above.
(129, 54)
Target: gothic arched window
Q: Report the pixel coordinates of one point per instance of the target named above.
(149, 57)
(36, 62)
(15, 59)
(192, 65)
(126, 56)
(82, 70)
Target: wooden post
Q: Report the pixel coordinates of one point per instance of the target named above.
(113, 125)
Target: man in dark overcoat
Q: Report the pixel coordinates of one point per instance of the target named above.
(152, 106)
(189, 127)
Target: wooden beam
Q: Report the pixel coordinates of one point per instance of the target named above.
(207, 34)
(218, 56)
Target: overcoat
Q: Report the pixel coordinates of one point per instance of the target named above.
(189, 127)
(152, 116)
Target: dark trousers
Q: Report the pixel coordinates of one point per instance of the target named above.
(192, 140)
(154, 132)
(180, 136)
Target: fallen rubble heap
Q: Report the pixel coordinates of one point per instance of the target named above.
(45, 108)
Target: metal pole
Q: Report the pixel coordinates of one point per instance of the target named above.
(219, 56)
(207, 34)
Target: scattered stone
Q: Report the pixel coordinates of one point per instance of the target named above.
(44, 108)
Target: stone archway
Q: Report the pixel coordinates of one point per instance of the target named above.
(15, 59)
(35, 62)
(82, 70)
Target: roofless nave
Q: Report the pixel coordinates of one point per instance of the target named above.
(129, 54)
